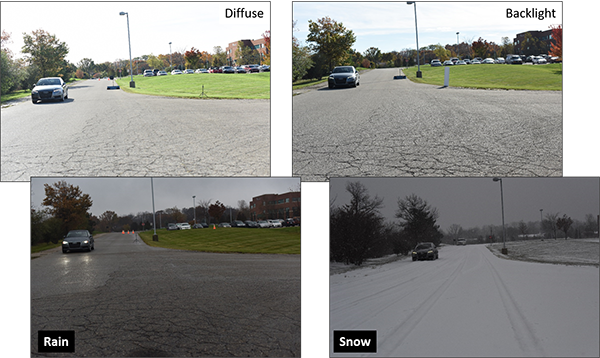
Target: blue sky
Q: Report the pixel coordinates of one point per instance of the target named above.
(391, 25)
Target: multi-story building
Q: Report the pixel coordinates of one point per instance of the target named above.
(275, 206)
(259, 45)
(542, 46)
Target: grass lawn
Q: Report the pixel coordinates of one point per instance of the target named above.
(14, 95)
(305, 83)
(23, 93)
(238, 240)
(216, 85)
(514, 77)
(45, 246)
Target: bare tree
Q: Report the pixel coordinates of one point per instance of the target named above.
(564, 224)
(454, 231)
(549, 224)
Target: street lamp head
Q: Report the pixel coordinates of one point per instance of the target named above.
(122, 13)
(410, 2)
(497, 179)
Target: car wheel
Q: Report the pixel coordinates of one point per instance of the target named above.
(64, 251)
(331, 86)
(414, 259)
(33, 101)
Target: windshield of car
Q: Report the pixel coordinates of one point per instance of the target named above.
(48, 82)
(423, 247)
(77, 233)
(342, 69)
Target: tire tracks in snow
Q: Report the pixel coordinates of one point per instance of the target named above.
(393, 273)
(404, 329)
(523, 330)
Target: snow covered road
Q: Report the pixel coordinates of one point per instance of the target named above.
(470, 303)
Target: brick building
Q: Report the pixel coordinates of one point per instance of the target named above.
(544, 40)
(275, 206)
(259, 45)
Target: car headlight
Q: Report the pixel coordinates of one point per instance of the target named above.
(58, 90)
(65, 243)
(414, 253)
(430, 252)
(331, 77)
(85, 241)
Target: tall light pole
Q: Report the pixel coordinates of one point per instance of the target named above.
(170, 54)
(194, 201)
(419, 75)
(541, 221)
(131, 84)
(457, 44)
(504, 250)
(154, 237)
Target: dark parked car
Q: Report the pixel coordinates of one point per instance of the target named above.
(250, 223)
(228, 69)
(49, 88)
(78, 240)
(425, 251)
(514, 60)
(344, 76)
(238, 223)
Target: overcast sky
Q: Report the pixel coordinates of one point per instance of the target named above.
(472, 202)
(96, 30)
(132, 195)
(391, 25)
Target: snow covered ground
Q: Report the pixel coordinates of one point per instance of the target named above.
(470, 303)
(559, 251)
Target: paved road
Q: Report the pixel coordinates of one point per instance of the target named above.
(470, 303)
(388, 127)
(98, 132)
(126, 299)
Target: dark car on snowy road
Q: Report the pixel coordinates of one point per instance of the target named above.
(425, 251)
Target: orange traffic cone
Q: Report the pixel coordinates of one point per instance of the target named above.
(133, 231)
(122, 232)
(214, 227)
(128, 231)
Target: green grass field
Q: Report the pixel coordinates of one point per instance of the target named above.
(232, 240)
(216, 85)
(44, 247)
(513, 77)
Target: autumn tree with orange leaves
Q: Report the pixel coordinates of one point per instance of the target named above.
(556, 45)
(68, 204)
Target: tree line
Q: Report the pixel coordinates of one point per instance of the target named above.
(358, 231)
(45, 56)
(330, 44)
(66, 207)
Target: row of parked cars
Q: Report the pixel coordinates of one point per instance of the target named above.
(510, 59)
(221, 69)
(238, 223)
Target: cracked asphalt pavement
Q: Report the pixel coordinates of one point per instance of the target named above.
(127, 299)
(100, 132)
(390, 128)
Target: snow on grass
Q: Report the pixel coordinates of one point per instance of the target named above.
(560, 251)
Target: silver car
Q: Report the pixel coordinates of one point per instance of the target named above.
(78, 240)
(49, 88)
